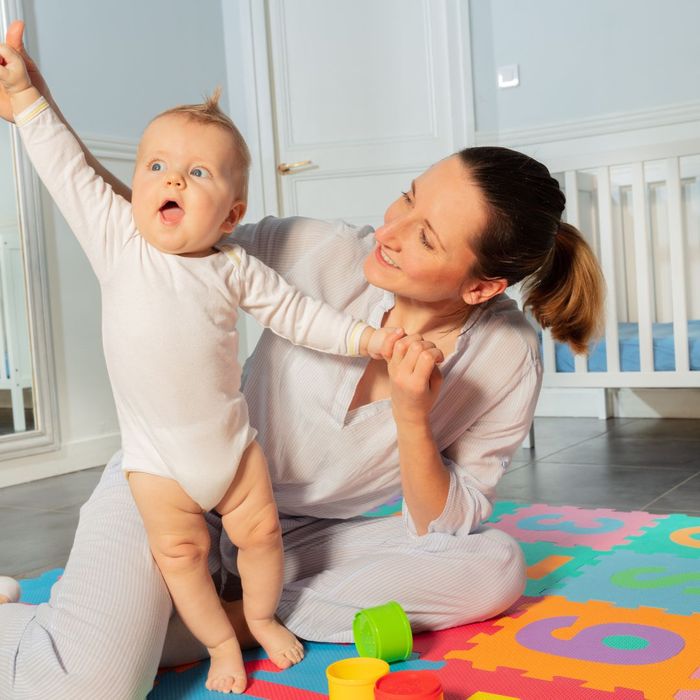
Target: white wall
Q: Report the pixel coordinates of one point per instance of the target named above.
(111, 67)
(114, 65)
(582, 59)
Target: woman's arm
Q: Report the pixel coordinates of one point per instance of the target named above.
(452, 491)
(415, 385)
(14, 39)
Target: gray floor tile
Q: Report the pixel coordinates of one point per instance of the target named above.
(652, 428)
(34, 539)
(637, 452)
(684, 497)
(58, 563)
(589, 485)
(555, 434)
(56, 492)
(666, 511)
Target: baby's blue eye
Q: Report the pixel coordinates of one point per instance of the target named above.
(200, 172)
(157, 166)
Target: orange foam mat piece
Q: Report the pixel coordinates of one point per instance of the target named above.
(604, 646)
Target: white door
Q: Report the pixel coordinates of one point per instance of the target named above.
(371, 92)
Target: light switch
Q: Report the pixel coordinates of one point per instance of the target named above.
(508, 76)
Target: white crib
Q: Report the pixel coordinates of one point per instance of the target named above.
(15, 354)
(640, 211)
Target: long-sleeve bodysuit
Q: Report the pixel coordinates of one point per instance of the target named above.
(169, 324)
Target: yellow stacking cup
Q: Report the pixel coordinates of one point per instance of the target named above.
(354, 679)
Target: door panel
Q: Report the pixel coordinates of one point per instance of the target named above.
(362, 90)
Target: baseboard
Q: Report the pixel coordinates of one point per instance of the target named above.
(571, 403)
(619, 403)
(655, 403)
(72, 457)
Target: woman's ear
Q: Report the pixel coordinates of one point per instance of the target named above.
(234, 216)
(479, 291)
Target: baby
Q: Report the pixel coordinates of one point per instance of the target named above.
(170, 297)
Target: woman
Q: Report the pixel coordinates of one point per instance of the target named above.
(344, 435)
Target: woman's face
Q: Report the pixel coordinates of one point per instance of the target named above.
(423, 249)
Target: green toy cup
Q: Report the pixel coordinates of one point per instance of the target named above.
(383, 632)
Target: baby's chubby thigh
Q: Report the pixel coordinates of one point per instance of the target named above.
(248, 509)
(174, 522)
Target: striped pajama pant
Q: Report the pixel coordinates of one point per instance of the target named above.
(109, 621)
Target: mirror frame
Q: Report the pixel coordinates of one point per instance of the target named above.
(45, 436)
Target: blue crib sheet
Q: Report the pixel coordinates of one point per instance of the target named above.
(663, 344)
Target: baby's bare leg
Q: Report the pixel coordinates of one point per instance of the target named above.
(249, 516)
(179, 541)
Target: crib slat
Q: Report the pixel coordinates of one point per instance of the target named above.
(573, 216)
(549, 361)
(607, 262)
(642, 258)
(677, 255)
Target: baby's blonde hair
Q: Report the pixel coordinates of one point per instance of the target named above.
(209, 112)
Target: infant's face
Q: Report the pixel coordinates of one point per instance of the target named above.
(184, 191)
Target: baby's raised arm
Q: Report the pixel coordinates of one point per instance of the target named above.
(100, 219)
(14, 40)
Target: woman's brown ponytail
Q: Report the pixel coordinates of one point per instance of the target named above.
(525, 239)
(566, 294)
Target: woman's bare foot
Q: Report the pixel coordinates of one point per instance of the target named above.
(9, 590)
(227, 672)
(283, 648)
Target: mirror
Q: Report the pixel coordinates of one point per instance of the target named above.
(16, 395)
(27, 396)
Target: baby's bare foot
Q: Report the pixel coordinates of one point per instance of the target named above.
(283, 648)
(9, 590)
(226, 673)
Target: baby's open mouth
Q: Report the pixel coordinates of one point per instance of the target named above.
(171, 212)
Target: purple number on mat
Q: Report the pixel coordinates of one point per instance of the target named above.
(654, 644)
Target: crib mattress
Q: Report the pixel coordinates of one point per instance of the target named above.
(663, 344)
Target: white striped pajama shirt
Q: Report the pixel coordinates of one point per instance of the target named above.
(102, 633)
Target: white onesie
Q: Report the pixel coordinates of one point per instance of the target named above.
(169, 324)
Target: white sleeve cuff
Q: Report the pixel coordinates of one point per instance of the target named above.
(465, 508)
(29, 113)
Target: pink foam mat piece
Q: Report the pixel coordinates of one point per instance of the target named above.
(460, 680)
(598, 528)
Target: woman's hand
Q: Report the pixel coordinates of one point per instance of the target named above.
(14, 40)
(415, 378)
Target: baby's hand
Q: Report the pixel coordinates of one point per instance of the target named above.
(14, 77)
(381, 343)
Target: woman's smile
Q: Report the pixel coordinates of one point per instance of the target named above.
(383, 258)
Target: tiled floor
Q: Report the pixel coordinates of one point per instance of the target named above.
(628, 464)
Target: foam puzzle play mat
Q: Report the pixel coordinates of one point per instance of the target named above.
(611, 610)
